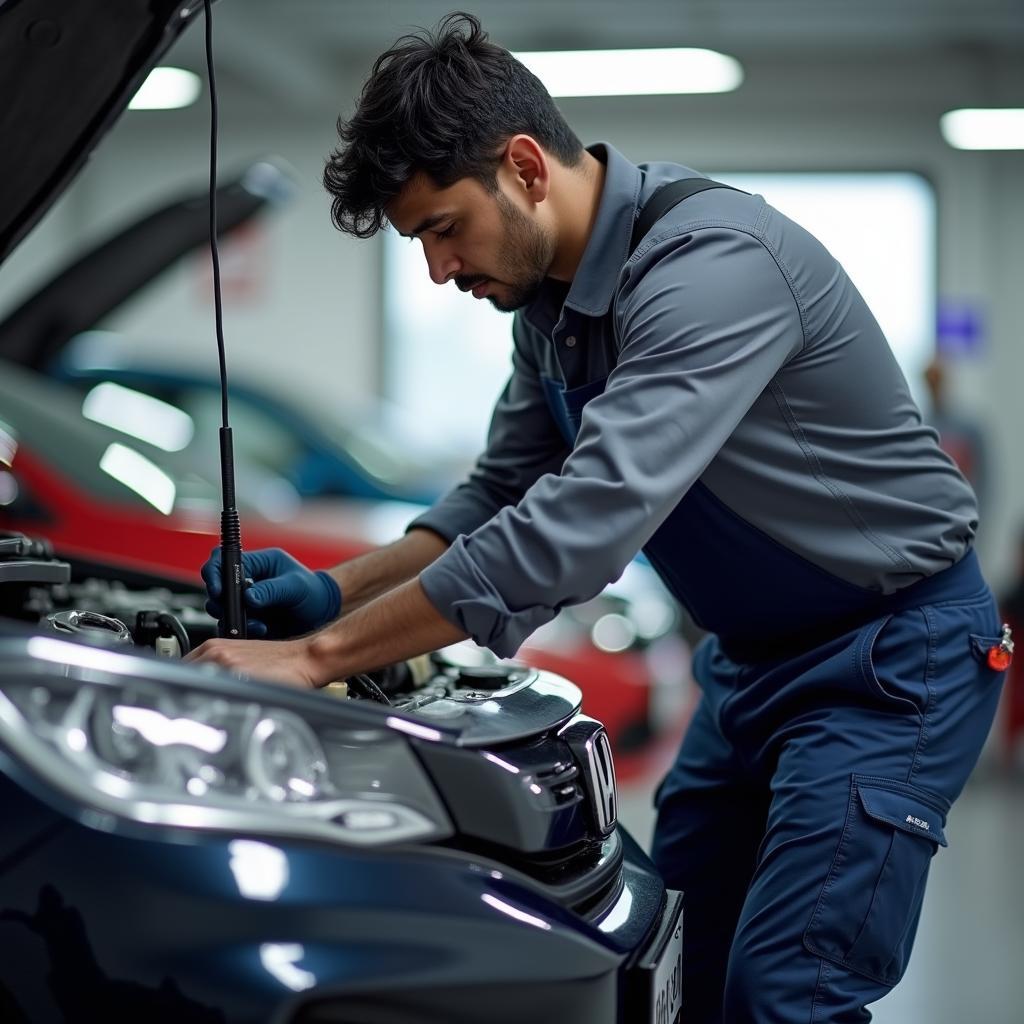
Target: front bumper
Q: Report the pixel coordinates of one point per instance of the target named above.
(136, 927)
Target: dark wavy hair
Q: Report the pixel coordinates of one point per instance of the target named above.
(444, 103)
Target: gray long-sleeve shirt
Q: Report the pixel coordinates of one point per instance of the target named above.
(745, 419)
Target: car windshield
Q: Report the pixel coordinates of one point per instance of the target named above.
(46, 419)
(376, 455)
(272, 430)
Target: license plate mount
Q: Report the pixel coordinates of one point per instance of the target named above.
(656, 983)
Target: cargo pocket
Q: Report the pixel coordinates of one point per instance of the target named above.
(867, 912)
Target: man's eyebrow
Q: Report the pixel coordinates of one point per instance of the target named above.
(426, 224)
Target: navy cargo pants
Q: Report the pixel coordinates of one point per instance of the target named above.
(807, 801)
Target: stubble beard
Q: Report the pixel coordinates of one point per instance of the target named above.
(524, 259)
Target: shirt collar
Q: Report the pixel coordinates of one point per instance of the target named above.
(608, 246)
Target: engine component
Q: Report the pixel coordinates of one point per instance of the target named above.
(88, 625)
(163, 631)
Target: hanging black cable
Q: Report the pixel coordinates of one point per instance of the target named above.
(232, 623)
(218, 305)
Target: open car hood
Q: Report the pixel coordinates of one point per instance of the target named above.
(71, 69)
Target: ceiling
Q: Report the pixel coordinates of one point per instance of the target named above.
(297, 52)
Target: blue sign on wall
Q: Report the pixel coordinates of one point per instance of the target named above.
(959, 328)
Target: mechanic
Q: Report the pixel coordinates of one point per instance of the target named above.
(716, 393)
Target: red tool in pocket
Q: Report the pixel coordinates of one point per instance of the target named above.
(1000, 656)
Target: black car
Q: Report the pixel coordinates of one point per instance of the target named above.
(436, 842)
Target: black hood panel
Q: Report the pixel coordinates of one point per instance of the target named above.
(68, 68)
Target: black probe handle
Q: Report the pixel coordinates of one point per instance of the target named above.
(232, 576)
(232, 624)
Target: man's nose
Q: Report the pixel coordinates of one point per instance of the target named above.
(442, 263)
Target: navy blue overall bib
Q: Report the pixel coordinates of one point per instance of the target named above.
(812, 787)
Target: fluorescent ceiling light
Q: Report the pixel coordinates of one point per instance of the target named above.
(8, 445)
(260, 870)
(633, 72)
(161, 731)
(984, 128)
(280, 959)
(166, 89)
(141, 415)
(136, 472)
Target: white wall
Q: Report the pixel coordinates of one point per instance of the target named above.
(316, 331)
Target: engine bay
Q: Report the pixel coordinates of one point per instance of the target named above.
(55, 597)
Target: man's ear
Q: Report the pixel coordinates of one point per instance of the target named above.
(526, 167)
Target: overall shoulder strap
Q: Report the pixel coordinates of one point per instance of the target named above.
(664, 197)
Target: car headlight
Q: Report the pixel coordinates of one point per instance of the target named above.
(163, 751)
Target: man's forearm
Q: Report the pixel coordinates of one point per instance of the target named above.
(367, 577)
(397, 625)
(400, 624)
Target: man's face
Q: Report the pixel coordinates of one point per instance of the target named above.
(479, 239)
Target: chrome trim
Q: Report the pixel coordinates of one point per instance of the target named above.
(590, 745)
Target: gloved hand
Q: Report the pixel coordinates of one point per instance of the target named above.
(286, 599)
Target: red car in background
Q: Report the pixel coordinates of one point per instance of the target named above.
(101, 496)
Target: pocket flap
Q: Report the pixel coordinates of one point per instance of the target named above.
(903, 807)
(981, 645)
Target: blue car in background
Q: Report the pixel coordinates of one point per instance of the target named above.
(436, 842)
(274, 437)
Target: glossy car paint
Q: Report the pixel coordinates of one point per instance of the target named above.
(406, 929)
(82, 527)
(107, 918)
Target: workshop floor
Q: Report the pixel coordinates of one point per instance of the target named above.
(968, 962)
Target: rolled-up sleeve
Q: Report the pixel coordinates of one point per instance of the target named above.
(705, 321)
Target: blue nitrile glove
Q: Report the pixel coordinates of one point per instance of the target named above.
(285, 599)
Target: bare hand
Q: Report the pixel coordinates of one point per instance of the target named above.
(283, 661)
